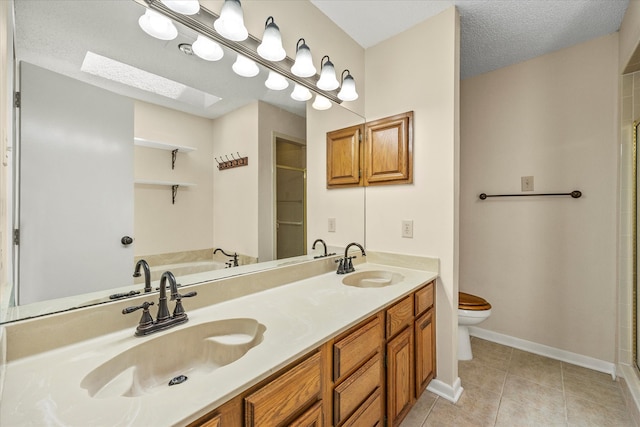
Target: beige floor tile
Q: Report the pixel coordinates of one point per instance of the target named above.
(477, 373)
(418, 414)
(539, 369)
(581, 412)
(446, 414)
(569, 370)
(513, 414)
(547, 401)
(609, 395)
(491, 354)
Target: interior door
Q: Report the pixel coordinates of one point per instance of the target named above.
(291, 230)
(75, 187)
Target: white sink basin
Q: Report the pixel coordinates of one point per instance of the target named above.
(192, 351)
(372, 279)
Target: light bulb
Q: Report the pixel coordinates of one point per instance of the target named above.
(300, 93)
(245, 67)
(303, 66)
(271, 47)
(321, 103)
(157, 25)
(230, 24)
(276, 81)
(185, 7)
(327, 79)
(207, 49)
(348, 90)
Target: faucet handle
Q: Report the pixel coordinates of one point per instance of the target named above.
(146, 318)
(178, 311)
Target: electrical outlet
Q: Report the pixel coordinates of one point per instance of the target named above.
(407, 229)
(332, 225)
(527, 183)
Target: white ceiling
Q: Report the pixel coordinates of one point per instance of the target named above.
(494, 33)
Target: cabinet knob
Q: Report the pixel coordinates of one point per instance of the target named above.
(126, 240)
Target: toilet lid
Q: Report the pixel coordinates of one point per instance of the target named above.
(472, 302)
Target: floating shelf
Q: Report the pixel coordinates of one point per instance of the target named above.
(175, 149)
(174, 186)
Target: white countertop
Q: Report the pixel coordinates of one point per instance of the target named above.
(44, 389)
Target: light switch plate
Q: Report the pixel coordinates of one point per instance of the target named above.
(527, 183)
(407, 229)
(332, 225)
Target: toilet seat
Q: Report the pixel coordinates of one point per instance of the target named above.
(472, 302)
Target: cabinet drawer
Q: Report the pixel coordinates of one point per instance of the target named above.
(352, 350)
(424, 299)
(311, 418)
(399, 315)
(369, 414)
(349, 395)
(286, 395)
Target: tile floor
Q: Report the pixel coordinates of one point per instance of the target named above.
(504, 386)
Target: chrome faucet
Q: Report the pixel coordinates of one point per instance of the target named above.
(163, 320)
(345, 265)
(147, 274)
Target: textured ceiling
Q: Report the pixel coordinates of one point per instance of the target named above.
(494, 33)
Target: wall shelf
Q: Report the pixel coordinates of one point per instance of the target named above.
(174, 186)
(174, 148)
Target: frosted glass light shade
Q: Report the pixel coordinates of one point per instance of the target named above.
(348, 90)
(245, 67)
(207, 49)
(276, 81)
(300, 93)
(328, 80)
(271, 47)
(303, 66)
(321, 103)
(185, 7)
(230, 24)
(157, 26)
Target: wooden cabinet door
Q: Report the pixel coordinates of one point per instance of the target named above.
(343, 157)
(388, 153)
(400, 376)
(425, 351)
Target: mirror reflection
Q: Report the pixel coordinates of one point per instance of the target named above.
(110, 172)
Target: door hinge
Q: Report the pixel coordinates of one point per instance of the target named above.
(16, 99)
(16, 236)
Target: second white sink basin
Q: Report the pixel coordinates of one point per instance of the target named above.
(372, 279)
(191, 352)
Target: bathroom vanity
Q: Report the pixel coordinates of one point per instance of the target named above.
(295, 345)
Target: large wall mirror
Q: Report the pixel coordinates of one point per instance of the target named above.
(103, 109)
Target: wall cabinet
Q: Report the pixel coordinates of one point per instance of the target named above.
(376, 153)
(345, 382)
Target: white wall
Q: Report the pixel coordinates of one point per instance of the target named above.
(547, 265)
(419, 70)
(160, 226)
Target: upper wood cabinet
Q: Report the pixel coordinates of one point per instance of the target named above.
(343, 157)
(377, 153)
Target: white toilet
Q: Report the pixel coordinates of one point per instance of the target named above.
(471, 311)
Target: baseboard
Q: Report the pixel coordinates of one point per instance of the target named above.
(544, 350)
(444, 390)
(632, 390)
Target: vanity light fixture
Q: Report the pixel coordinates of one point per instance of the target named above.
(157, 25)
(230, 24)
(321, 103)
(207, 49)
(348, 90)
(276, 81)
(186, 7)
(271, 47)
(245, 67)
(300, 93)
(303, 66)
(327, 79)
